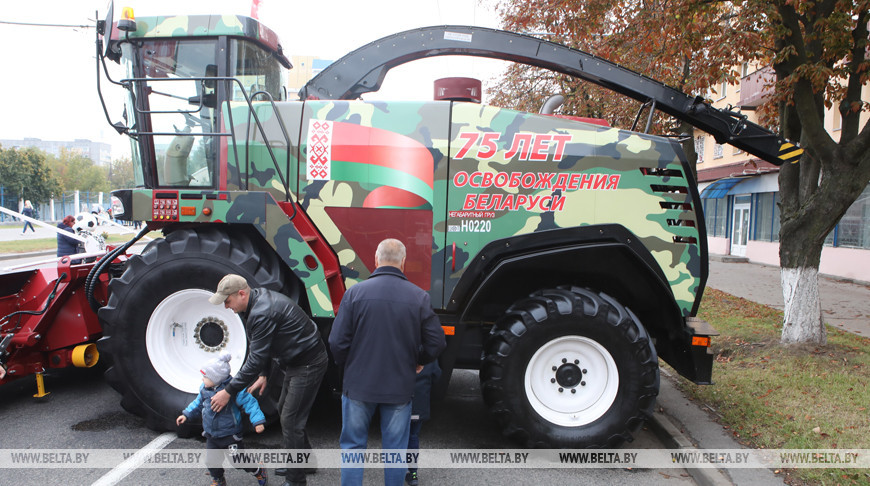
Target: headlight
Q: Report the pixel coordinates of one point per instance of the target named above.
(117, 207)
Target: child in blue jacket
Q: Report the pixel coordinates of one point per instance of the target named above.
(223, 430)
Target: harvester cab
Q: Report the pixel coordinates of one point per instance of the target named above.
(177, 87)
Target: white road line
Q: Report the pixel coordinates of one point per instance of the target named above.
(122, 470)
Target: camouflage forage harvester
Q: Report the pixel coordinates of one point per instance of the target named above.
(562, 257)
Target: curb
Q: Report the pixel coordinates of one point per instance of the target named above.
(13, 256)
(728, 258)
(670, 434)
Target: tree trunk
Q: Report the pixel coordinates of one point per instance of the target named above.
(803, 309)
(802, 236)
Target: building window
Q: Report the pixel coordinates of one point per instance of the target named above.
(853, 230)
(699, 148)
(766, 215)
(716, 216)
(718, 151)
(722, 91)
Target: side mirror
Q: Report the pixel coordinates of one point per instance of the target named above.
(205, 89)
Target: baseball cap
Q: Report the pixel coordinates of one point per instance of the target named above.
(228, 285)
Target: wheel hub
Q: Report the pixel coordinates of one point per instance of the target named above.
(211, 334)
(569, 375)
(185, 330)
(571, 381)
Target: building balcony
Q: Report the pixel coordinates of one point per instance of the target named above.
(756, 88)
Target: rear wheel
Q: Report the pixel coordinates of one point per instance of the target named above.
(161, 328)
(570, 367)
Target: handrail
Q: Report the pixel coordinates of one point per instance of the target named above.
(131, 82)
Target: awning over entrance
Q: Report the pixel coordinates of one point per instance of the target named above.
(720, 188)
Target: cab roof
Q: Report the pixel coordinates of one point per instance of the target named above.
(175, 26)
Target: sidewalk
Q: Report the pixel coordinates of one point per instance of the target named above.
(845, 304)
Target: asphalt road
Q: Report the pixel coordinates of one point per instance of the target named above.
(83, 412)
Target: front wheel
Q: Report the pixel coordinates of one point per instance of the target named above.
(569, 367)
(161, 328)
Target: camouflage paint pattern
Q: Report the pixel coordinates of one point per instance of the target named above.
(591, 174)
(419, 132)
(471, 173)
(466, 168)
(602, 182)
(255, 208)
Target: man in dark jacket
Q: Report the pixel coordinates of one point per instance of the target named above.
(384, 332)
(277, 329)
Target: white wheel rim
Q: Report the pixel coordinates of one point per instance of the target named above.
(556, 366)
(185, 331)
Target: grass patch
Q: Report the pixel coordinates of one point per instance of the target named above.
(41, 244)
(786, 397)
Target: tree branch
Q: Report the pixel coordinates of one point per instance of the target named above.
(806, 102)
(852, 118)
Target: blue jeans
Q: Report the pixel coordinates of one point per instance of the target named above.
(395, 428)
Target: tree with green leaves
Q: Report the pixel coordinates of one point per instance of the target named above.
(26, 174)
(79, 173)
(819, 52)
(122, 174)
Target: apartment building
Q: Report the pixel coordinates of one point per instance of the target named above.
(100, 153)
(740, 193)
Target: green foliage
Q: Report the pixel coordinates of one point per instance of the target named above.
(41, 244)
(121, 175)
(25, 173)
(79, 173)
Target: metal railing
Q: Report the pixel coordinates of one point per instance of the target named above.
(130, 84)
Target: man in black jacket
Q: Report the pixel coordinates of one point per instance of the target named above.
(277, 329)
(384, 332)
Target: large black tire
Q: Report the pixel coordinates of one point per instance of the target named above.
(160, 327)
(569, 367)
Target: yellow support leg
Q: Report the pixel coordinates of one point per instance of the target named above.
(40, 386)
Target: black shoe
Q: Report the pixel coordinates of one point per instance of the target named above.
(411, 478)
(295, 483)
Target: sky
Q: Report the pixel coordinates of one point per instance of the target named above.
(48, 75)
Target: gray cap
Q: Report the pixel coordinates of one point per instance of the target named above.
(228, 285)
(218, 369)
